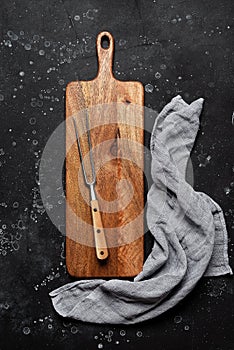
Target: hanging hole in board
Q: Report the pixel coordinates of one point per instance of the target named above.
(105, 42)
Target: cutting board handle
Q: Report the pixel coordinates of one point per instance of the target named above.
(105, 55)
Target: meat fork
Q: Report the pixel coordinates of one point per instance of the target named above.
(99, 235)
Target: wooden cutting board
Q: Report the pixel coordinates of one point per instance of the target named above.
(116, 118)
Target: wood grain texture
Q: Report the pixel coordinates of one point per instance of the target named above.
(117, 127)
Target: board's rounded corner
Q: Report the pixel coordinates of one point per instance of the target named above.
(140, 84)
(70, 270)
(70, 84)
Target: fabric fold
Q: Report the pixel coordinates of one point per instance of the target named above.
(188, 228)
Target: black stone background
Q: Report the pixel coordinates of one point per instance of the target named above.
(190, 43)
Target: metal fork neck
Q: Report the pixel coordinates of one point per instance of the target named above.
(92, 192)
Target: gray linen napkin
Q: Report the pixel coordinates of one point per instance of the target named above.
(188, 227)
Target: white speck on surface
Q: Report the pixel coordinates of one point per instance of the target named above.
(100, 346)
(149, 88)
(15, 245)
(27, 47)
(22, 74)
(16, 205)
(158, 75)
(32, 121)
(227, 190)
(203, 159)
(26, 330)
(74, 329)
(122, 42)
(211, 84)
(76, 17)
(12, 35)
(139, 334)
(36, 37)
(177, 319)
(6, 306)
(90, 13)
(163, 66)
(8, 43)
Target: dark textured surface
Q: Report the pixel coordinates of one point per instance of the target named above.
(179, 47)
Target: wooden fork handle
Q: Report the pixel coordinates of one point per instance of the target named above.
(99, 235)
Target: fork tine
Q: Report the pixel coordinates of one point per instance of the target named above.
(90, 153)
(90, 147)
